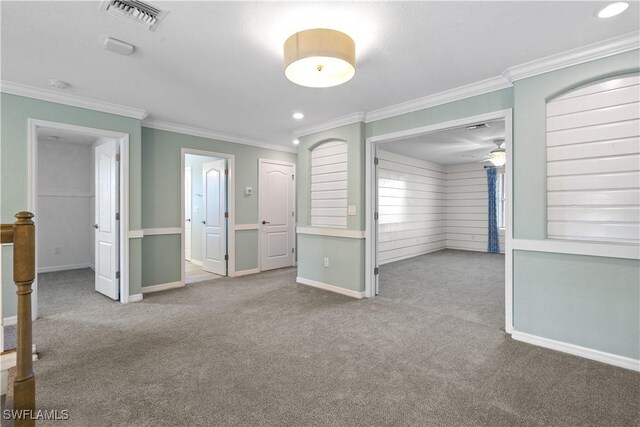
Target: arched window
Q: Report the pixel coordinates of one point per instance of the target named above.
(593, 162)
(329, 185)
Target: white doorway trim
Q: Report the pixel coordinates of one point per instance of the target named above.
(371, 147)
(231, 194)
(294, 223)
(32, 203)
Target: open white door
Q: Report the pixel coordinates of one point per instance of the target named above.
(106, 221)
(215, 224)
(277, 215)
(187, 213)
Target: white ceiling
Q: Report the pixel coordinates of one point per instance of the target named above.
(450, 147)
(62, 135)
(218, 65)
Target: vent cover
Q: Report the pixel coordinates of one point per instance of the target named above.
(478, 126)
(138, 13)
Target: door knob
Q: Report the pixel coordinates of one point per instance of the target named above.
(204, 222)
(95, 226)
(265, 222)
(188, 219)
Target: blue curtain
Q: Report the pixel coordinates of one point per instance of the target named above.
(493, 244)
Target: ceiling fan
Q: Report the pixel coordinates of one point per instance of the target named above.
(497, 156)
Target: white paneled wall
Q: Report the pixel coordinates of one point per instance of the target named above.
(593, 162)
(329, 185)
(425, 207)
(467, 208)
(411, 207)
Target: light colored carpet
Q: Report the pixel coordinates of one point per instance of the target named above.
(262, 350)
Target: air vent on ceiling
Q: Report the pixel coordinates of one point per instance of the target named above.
(139, 13)
(478, 126)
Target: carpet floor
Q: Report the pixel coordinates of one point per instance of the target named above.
(263, 350)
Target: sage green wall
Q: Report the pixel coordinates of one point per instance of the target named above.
(586, 301)
(161, 197)
(346, 256)
(16, 110)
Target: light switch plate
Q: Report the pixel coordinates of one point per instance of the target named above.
(351, 210)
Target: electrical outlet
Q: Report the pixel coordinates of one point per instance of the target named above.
(326, 261)
(351, 210)
(58, 251)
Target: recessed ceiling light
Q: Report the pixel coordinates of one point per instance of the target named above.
(58, 84)
(296, 141)
(613, 9)
(298, 116)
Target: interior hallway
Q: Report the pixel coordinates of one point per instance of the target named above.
(194, 273)
(263, 350)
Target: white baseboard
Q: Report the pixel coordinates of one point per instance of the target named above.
(135, 298)
(63, 268)
(9, 321)
(161, 287)
(576, 350)
(247, 272)
(332, 288)
(196, 262)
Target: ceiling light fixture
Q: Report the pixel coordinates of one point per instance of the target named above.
(58, 84)
(117, 46)
(613, 9)
(298, 116)
(498, 156)
(296, 141)
(319, 58)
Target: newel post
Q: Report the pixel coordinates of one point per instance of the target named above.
(24, 272)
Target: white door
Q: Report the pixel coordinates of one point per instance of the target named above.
(187, 213)
(215, 224)
(106, 224)
(276, 214)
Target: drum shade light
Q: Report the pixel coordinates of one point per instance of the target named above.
(319, 58)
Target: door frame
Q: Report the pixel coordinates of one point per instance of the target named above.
(231, 195)
(294, 223)
(32, 185)
(371, 190)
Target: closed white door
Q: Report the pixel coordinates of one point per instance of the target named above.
(106, 225)
(187, 213)
(215, 224)
(276, 216)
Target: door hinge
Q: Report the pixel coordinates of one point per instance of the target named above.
(375, 160)
(117, 274)
(293, 250)
(117, 157)
(375, 216)
(226, 257)
(293, 213)
(226, 172)
(293, 177)
(117, 216)
(375, 271)
(226, 214)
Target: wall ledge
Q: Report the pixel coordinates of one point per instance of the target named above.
(576, 350)
(331, 288)
(332, 232)
(608, 250)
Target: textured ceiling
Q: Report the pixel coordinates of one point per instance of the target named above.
(218, 65)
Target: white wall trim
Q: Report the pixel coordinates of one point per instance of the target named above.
(576, 350)
(331, 288)
(580, 55)
(161, 231)
(478, 88)
(332, 232)
(247, 272)
(211, 134)
(608, 250)
(71, 100)
(63, 193)
(162, 287)
(196, 262)
(9, 321)
(240, 227)
(136, 234)
(135, 298)
(331, 124)
(63, 267)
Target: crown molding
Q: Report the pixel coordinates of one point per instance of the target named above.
(456, 94)
(580, 55)
(206, 133)
(331, 124)
(19, 89)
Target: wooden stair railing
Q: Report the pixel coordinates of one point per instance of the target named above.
(22, 234)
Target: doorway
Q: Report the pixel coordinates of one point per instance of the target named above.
(207, 216)
(428, 210)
